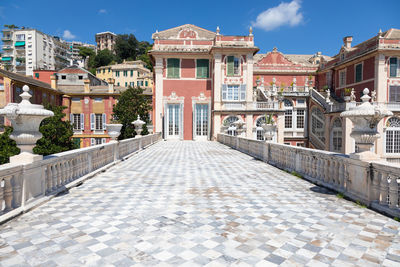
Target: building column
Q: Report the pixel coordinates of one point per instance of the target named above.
(249, 81)
(249, 126)
(158, 107)
(217, 81)
(327, 133)
(380, 79)
(347, 142)
(217, 126)
(280, 123)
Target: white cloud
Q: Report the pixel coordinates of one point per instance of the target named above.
(102, 11)
(68, 35)
(284, 14)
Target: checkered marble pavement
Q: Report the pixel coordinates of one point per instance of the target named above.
(195, 204)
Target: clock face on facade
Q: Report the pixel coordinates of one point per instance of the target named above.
(86, 101)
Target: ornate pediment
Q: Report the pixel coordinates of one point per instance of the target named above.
(187, 31)
(275, 58)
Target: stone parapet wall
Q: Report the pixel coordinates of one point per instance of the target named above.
(23, 187)
(375, 184)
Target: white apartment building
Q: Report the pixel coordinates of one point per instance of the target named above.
(28, 49)
(74, 52)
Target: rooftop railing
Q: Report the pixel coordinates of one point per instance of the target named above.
(25, 186)
(375, 184)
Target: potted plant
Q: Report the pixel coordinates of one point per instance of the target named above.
(347, 94)
(114, 128)
(269, 126)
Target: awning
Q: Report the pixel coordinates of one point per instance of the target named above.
(20, 43)
(5, 58)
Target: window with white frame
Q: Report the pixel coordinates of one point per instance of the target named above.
(394, 93)
(318, 124)
(77, 121)
(233, 92)
(97, 141)
(300, 113)
(97, 121)
(231, 127)
(342, 78)
(392, 136)
(336, 136)
(288, 113)
(259, 129)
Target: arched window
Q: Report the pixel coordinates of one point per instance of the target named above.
(231, 127)
(336, 136)
(392, 136)
(259, 129)
(288, 113)
(318, 124)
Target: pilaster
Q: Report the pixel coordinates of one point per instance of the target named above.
(217, 82)
(380, 78)
(158, 112)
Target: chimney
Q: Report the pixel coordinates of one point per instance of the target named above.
(53, 81)
(347, 41)
(86, 86)
(111, 82)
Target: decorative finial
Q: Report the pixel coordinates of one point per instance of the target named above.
(25, 95)
(275, 49)
(365, 97)
(217, 30)
(251, 31)
(157, 31)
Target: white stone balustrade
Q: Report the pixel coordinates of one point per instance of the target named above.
(376, 184)
(23, 186)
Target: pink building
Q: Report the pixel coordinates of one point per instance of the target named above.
(202, 78)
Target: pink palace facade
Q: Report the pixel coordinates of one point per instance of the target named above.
(205, 81)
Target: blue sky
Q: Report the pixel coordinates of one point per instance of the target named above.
(293, 26)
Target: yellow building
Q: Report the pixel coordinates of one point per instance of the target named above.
(128, 73)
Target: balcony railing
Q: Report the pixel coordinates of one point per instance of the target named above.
(59, 172)
(375, 184)
(266, 105)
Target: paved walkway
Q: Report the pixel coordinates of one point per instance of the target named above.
(199, 203)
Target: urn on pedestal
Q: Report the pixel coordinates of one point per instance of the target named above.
(365, 118)
(25, 119)
(138, 126)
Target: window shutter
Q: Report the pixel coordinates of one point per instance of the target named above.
(82, 121)
(243, 92)
(104, 121)
(173, 68)
(71, 118)
(92, 141)
(170, 70)
(176, 68)
(92, 121)
(393, 67)
(103, 140)
(224, 91)
(230, 63)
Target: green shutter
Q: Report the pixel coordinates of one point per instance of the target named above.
(202, 68)
(173, 68)
(230, 63)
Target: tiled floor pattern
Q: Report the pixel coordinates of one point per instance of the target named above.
(199, 203)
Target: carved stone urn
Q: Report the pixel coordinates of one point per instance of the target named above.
(138, 126)
(269, 130)
(114, 130)
(25, 119)
(365, 118)
(239, 124)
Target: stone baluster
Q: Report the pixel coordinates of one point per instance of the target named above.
(17, 191)
(8, 193)
(55, 174)
(1, 194)
(341, 175)
(336, 172)
(60, 174)
(384, 189)
(49, 179)
(327, 176)
(393, 193)
(375, 185)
